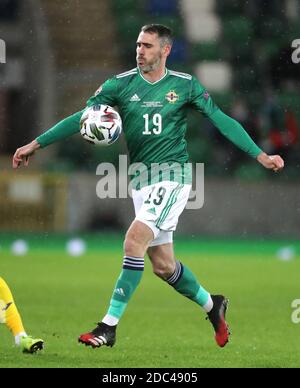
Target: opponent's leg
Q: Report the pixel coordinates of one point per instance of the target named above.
(10, 316)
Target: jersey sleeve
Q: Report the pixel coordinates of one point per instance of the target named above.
(65, 128)
(233, 131)
(200, 99)
(105, 94)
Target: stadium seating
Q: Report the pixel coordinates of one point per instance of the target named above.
(195, 6)
(237, 30)
(131, 15)
(9, 10)
(206, 51)
(158, 7)
(87, 46)
(179, 53)
(216, 76)
(201, 22)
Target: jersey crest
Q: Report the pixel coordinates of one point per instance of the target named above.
(172, 97)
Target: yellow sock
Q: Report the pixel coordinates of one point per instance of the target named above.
(8, 311)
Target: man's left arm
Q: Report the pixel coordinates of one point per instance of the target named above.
(201, 100)
(234, 132)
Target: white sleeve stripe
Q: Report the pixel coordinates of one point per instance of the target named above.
(127, 73)
(180, 75)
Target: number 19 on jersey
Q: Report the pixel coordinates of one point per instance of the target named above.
(156, 120)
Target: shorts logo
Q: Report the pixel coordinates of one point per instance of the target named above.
(152, 211)
(172, 97)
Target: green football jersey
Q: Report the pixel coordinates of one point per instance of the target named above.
(154, 119)
(154, 115)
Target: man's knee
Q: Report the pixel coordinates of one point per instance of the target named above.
(137, 240)
(162, 268)
(131, 245)
(163, 272)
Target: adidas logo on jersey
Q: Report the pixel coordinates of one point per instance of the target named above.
(135, 98)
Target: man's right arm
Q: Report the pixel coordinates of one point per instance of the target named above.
(22, 154)
(65, 128)
(106, 94)
(60, 131)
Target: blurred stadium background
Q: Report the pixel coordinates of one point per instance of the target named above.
(57, 56)
(59, 53)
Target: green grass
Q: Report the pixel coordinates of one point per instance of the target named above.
(61, 297)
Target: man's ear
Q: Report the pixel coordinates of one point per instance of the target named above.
(167, 49)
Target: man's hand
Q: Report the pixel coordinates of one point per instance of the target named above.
(273, 162)
(22, 154)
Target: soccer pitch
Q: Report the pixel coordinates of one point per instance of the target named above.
(60, 297)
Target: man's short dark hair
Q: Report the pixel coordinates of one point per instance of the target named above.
(164, 33)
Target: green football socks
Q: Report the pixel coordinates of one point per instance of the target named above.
(128, 281)
(185, 282)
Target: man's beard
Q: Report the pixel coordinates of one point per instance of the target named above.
(150, 66)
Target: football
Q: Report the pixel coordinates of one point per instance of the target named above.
(100, 125)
